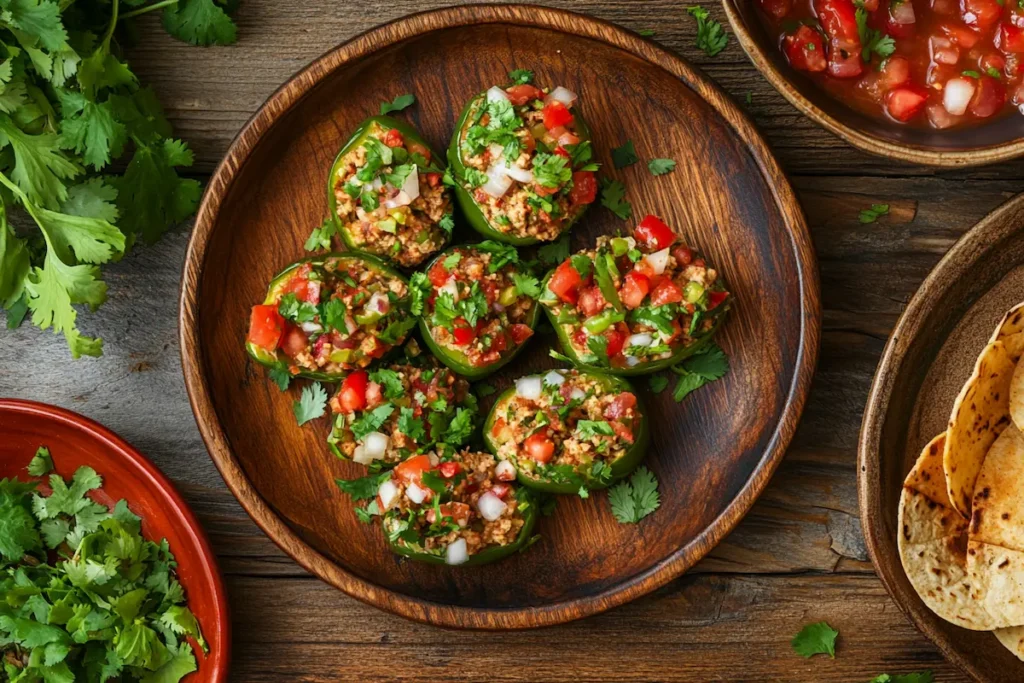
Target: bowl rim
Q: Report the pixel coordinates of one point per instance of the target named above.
(382, 37)
(218, 662)
(957, 263)
(874, 144)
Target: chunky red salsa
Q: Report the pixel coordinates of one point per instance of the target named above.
(930, 63)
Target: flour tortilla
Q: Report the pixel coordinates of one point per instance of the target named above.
(1017, 397)
(981, 412)
(1013, 639)
(996, 579)
(998, 506)
(1011, 324)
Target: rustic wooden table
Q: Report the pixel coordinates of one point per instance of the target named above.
(798, 557)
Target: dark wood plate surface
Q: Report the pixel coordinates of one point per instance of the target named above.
(929, 356)
(713, 454)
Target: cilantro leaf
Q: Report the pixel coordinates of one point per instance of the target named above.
(90, 129)
(587, 429)
(40, 168)
(815, 639)
(613, 197)
(556, 252)
(281, 376)
(526, 284)
(624, 155)
(372, 420)
(711, 37)
(646, 32)
(873, 40)
(312, 403)
(460, 428)
(150, 195)
(322, 235)
(520, 76)
(658, 383)
(398, 104)
(711, 363)
(363, 488)
(390, 382)
(921, 677)
(872, 214)
(200, 22)
(484, 389)
(661, 166)
(41, 462)
(636, 498)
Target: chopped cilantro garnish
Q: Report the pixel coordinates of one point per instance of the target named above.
(873, 40)
(633, 500)
(363, 488)
(390, 382)
(280, 375)
(452, 260)
(398, 104)
(711, 37)
(526, 284)
(874, 213)
(551, 170)
(658, 383)
(41, 463)
(520, 76)
(613, 197)
(321, 236)
(556, 252)
(588, 429)
(371, 420)
(625, 155)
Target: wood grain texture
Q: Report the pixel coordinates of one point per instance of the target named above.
(726, 195)
(930, 354)
(802, 530)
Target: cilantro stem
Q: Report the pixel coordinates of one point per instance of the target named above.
(149, 8)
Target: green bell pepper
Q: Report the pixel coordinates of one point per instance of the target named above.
(557, 480)
(458, 361)
(272, 359)
(391, 223)
(471, 209)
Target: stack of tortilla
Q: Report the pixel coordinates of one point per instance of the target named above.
(961, 516)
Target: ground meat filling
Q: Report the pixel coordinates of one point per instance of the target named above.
(452, 509)
(340, 315)
(390, 198)
(387, 415)
(474, 305)
(565, 426)
(527, 163)
(619, 306)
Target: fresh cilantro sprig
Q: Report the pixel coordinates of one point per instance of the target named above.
(520, 76)
(874, 213)
(711, 37)
(322, 235)
(815, 639)
(920, 677)
(699, 369)
(398, 104)
(636, 498)
(873, 40)
(312, 403)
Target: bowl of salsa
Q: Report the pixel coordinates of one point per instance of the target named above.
(939, 82)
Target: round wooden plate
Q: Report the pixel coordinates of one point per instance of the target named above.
(929, 356)
(74, 441)
(713, 454)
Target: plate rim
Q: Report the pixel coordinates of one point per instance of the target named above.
(385, 36)
(179, 508)
(992, 229)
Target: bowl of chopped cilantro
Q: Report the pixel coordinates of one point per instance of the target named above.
(106, 572)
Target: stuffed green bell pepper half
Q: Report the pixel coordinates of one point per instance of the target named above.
(635, 305)
(326, 315)
(386, 193)
(521, 160)
(476, 306)
(389, 414)
(567, 429)
(456, 509)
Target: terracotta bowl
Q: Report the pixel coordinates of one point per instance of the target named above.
(929, 356)
(74, 441)
(998, 140)
(713, 453)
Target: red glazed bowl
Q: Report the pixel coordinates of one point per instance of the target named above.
(74, 441)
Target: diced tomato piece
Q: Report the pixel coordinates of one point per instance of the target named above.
(463, 333)
(992, 60)
(621, 406)
(565, 282)
(352, 396)
(562, 152)
(715, 298)
(433, 179)
(584, 187)
(667, 292)
(839, 19)
(653, 234)
(895, 72)
(591, 301)
(374, 395)
(418, 148)
(501, 490)
(523, 93)
(959, 34)
(295, 341)
(499, 342)
(1010, 38)
(411, 471)
(989, 97)
(805, 49)
(449, 469)
(393, 138)
(556, 114)
(982, 14)
(459, 512)
(869, 5)
(539, 446)
(377, 348)
(438, 274)
(499, 426)
(776, 8)
(300, 285)
(634, 288)
(904, 103)
(622, 431)
(616, 337)
(520, 333)
(265, 327)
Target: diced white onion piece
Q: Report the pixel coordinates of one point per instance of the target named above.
(563, 95)
(957, 95)
(554, 378)
(497, 151)
(497, 307)
(388, 492)
(658, 261)
(577, 394)
(642, 339)
(505, 471)
(523, 175)
(457, 552)
(529, 387)
(375, 445)
(411, 186)
(311, 327)
(902, 12)
(434, 460)
(399, 200)
(632, 361)
(451, 288)
(359, 456)
(631, 242)
(490, 506)
(494, 93)
(350, 323)
(378, 303)
(498, 181)
(415, 493)
(376, 184)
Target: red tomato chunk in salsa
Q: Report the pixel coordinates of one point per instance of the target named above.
(929, 63)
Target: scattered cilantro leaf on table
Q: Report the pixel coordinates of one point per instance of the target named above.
(554, 253)
(635, 498)
(484, 389)
(624, 155)
(312, 403)
(921, 677)
(520, 76)
(661, 166)
(646, 32)
(280, 376)
(398, 104)
(711, 37)
(874, 213)
(321, 236)
(658, 383)
(699, 369)
(613, 198)
(201, 22)
(815, 639)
